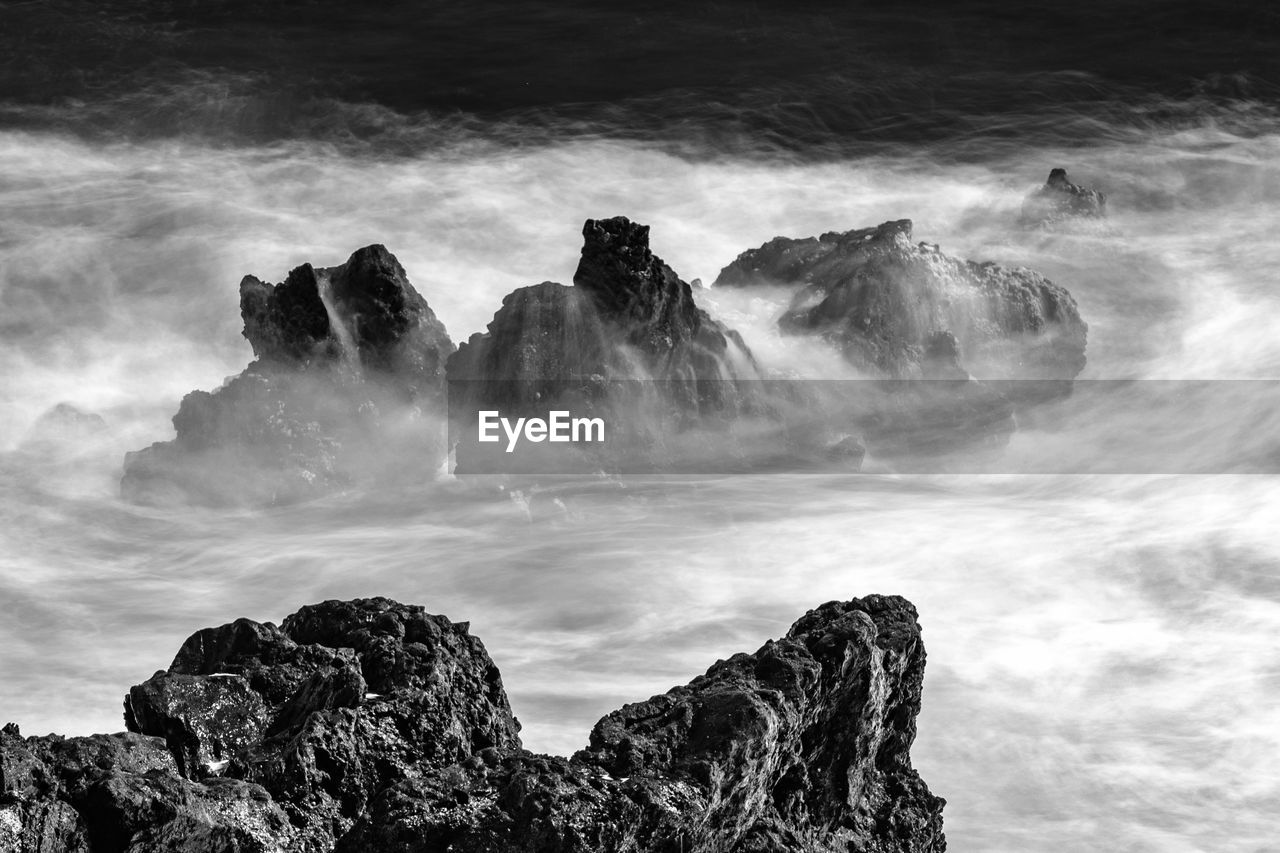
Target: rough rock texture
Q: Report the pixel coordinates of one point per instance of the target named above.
(350, 359)
(1060, 200)
(625, 343)
(882, 300)
(627, 316)
(341, 700)
(122, 792)
(371, 725)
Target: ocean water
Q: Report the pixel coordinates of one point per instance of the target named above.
(1102, 671)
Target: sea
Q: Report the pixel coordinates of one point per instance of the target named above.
(1102, 668)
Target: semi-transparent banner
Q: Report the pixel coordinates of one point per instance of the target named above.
(596, 425)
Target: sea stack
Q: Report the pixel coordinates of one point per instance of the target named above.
(886, 303)
(1060, 200)
(348, 377)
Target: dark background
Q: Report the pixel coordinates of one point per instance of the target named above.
(808, 76)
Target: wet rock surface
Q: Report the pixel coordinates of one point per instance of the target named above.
(628, 316)
(372, 725)
(882, 300)
(1059, 200)
(626, 342)
(349, 359)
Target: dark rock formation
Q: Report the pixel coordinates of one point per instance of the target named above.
(122, 792)
(365, 310)
(349, 359)
(370, 725)
(1060, 200)
(626, 342)
(882, 300)
(627, 317)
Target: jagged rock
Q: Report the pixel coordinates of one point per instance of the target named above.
(349, 369)
(628, 316)
(365, 309)
(1059, 200)
(341, 700)
(205, 721)
(800, 746)
(626, 342)
(123, 793)
(881, 299)
(543, 337)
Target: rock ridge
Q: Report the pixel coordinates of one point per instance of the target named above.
(372, 725)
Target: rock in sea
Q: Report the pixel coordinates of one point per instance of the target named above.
(880, 298)
(626, 342)
(628, 316)
(347, 382)
(1060, 200)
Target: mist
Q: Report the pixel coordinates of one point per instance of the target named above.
(1102, 670)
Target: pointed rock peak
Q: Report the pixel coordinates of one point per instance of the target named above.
(617, 235)
(287, 321)
(620, 271)
(373, 274)
(375, 259)
(373, 294)
(1060, 199)
(368, 299)
(632, 286)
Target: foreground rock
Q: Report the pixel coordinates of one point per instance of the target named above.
(882, 299)
(370, 725)
(1060, 200)
(348, 375)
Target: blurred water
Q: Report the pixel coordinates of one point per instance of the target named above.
(1102, 673)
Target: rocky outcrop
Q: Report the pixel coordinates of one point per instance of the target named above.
(350, 361)
(882, 300)
(371, 725)
(122, 792)
(628, 316)
(626, 343)
(1060, 200)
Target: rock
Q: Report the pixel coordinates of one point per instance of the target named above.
(628, 316)
(801, 745)
(885, 301)
(626, 343)
(123, 792)
(64, 423)
(349, 371)
(904, 311)
(303, 726)
(1059, 200)
(365, 309)
(543, 338)
(789, 261)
